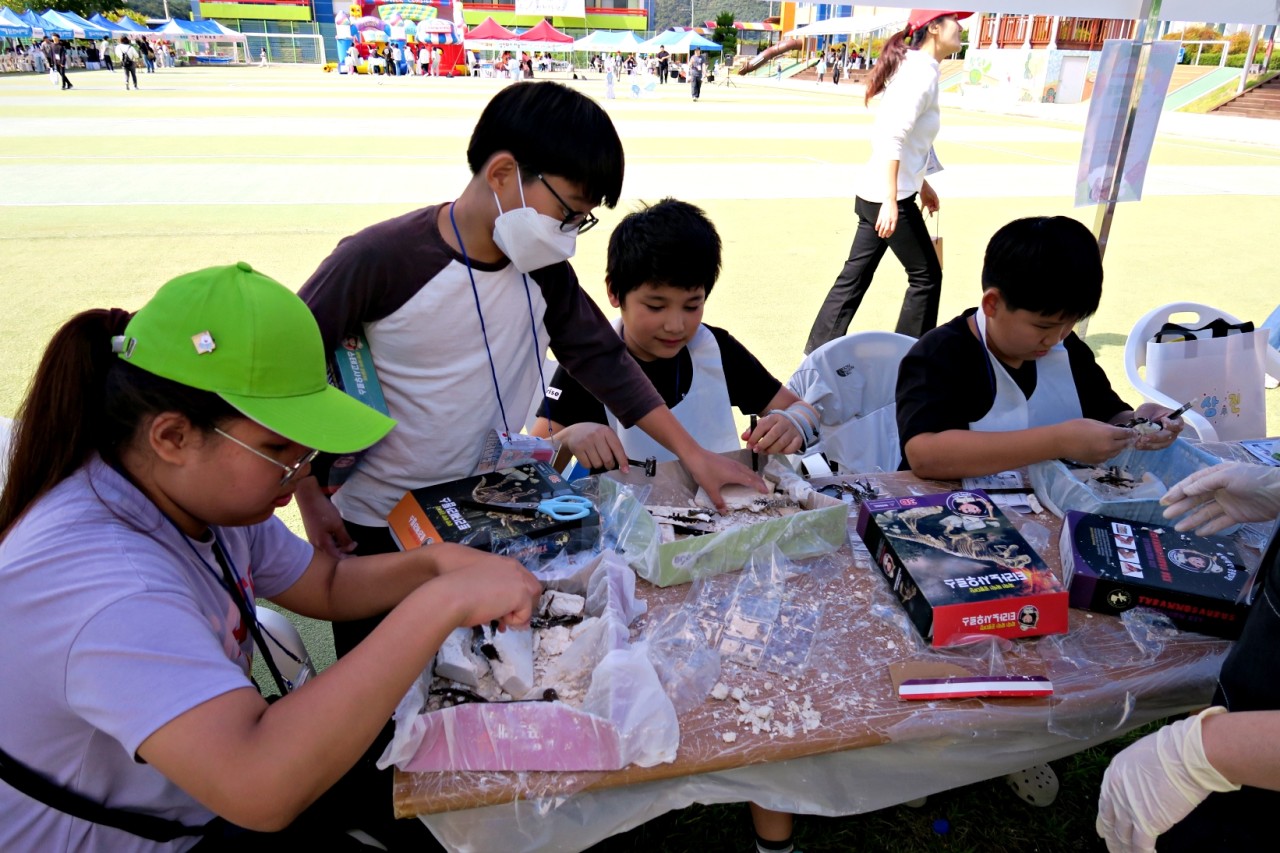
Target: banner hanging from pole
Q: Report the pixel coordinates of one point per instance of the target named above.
(1100, 154)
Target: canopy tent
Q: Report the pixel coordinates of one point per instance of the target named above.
(490, 30)
(546, 38)
(857, 25)
(490, 35)
(11, 26)
(41, 28)
(685, 42)
(607, 41)
(132, 27)
(177, 28)
(227, 33)
(110, 26)
(78, 27)
(88, 30)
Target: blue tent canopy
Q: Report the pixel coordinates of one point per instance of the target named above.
(129, 25)
(110, 26)
(40, 27)
(678, 42)
(79, 26)
(11, 26)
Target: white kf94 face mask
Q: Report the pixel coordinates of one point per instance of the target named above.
(531, 240)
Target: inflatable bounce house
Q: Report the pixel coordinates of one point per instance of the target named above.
(413, 27)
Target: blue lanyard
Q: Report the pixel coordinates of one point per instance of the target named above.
(229, 579)
(484, 333)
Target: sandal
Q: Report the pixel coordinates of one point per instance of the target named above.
(1036, 785)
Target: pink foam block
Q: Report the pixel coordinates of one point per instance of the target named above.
(516, 736)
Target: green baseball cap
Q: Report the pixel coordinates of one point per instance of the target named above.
(255, 344)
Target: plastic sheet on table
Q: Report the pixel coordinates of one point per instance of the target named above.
(754, 618)
(864, 749)
(687, 665)
(625, 716)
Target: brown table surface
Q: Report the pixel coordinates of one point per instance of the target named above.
(1100, 673)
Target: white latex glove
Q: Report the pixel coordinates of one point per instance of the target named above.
(1223, 495)
(1155, 783)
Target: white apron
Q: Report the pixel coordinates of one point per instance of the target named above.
(705, 411)
(1055, 399)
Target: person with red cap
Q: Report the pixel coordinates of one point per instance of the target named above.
(902, 147)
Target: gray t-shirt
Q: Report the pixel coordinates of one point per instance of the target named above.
(401, 285)
(113, 628)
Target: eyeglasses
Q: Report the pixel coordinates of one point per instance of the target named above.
(583, 221)
(290, 471)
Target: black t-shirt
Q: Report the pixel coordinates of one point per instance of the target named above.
(749, 383)
(943, 381)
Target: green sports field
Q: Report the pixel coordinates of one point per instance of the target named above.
(105, 194)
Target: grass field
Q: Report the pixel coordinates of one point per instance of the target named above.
(106, 194)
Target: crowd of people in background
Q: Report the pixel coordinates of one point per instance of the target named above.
(17, 55)
(841, 64)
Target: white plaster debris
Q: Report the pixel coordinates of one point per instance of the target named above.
(794, 716)
(553, 604)
(456, 661)
(528, 662)
(513, 667)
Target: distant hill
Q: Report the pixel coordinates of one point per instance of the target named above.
(675, 13)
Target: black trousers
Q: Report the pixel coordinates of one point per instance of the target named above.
(912, 245)
(62, 72)
(360, 800)
(106, 60)
(695, 81)
(130, 74)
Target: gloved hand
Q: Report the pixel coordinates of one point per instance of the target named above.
(1155, 783)
(1224, 495)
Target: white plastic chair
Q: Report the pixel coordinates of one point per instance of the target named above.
(1135, 356)
(852, 381)
(286, 647)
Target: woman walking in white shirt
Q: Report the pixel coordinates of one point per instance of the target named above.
(902, 142)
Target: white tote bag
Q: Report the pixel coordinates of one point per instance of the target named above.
(1225, 373)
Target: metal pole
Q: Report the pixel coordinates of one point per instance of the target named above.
(1248, 57)
(1107, 210)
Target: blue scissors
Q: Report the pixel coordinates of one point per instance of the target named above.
(559, 508)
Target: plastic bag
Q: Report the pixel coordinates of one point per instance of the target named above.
(1060, 490)
(625, 716)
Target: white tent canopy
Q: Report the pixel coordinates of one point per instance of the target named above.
(856, 25)
(1228, 11)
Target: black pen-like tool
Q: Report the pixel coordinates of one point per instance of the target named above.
(755, 457)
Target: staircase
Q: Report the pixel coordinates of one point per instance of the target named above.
(1262, 101)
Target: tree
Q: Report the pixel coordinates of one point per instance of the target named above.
(675, 13)
(726, 35)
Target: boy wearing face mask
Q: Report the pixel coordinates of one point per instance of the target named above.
(459, 302)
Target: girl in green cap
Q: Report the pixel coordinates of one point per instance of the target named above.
(137, 528)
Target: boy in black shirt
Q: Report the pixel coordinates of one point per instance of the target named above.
(1013, 366)
(662, 263)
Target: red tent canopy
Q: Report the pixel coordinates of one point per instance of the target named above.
(490, 30)
(544, 32)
